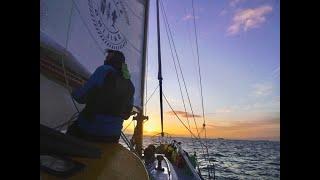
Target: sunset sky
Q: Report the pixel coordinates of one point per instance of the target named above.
(239, 49)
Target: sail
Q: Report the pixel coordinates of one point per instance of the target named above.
(87, 28)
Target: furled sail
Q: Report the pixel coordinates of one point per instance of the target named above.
(87, 28)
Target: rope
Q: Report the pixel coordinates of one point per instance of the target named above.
(181, 120)
(66, 47)
(189, 36)
(125, 139)
(65, 71)
(63, 64)
(181, 73)
(200, 80)
(198, 137)
(151, 95)
(175, 66)
(199, 140)
(185, 83)
(199, 70)
(127, 125)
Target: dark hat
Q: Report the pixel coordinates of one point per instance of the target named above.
(118, 55)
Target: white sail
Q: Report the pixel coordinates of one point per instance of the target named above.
(86, 28)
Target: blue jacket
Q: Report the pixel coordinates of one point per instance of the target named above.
(103, 125)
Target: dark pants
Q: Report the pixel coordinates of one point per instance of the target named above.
(74, 130)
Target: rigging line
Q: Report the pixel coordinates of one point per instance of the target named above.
(189, 36)
(125, 139)
(62, 60)
(184, 86)
(177, 74)
(199, 139)
(151, 95)
(200, 79)
(175, 67)
(182, 74)
(127, 125)
(182, 121)
(66, 48)
(198, 56)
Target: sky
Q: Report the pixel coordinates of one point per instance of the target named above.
(239, 56)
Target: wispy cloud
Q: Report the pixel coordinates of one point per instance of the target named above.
(262, 89)
(248, 18)
(224, 110)
(183, 114)
(240, 124)
(189, 17)
(223, 12)
(233, 3)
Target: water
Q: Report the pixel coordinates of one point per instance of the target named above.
(235, 159)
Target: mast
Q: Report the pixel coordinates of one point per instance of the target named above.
(159, 68)
(140, 118)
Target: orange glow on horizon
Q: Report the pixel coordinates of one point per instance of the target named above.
(222, 128)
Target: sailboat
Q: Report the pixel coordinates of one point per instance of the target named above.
(74, 37)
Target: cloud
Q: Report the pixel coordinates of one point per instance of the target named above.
(233, 3)
(223, 12)
(262, 89)
(248, 19)
(189, 17)
(183, 114)
(224, 110)
(264, 106)
(235, 125)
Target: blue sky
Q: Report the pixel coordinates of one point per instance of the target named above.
(239, 49)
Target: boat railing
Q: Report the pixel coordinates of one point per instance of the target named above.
(190, 166)
(168, 166)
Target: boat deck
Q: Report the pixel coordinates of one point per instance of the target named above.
(116, 162)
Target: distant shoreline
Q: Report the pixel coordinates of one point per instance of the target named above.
(222, 139)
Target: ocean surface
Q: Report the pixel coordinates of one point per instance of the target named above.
(233, 159)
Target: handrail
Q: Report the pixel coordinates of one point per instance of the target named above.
(181, 151)
(168, 165)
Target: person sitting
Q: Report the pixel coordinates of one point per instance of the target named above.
(160, 149)
(169, 152)
(149, 153)
(174, 156)
(180, 161)
(193, 159)
(108, 95)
